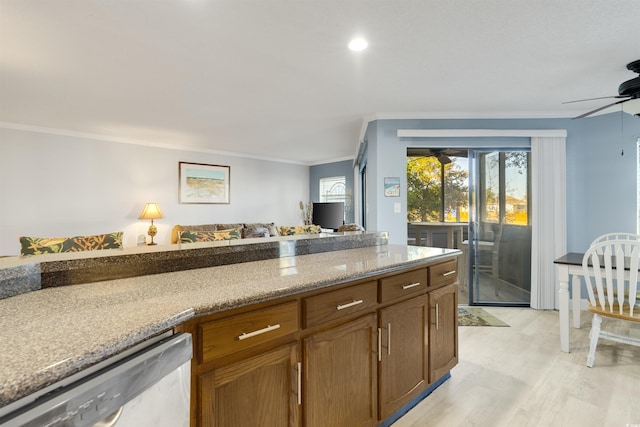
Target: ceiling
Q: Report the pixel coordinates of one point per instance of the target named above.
(274, 78)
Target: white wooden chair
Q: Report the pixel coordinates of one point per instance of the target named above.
(611, 271)
(616, 236)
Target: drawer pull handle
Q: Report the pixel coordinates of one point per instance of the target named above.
(350, 304)
(299, 365)
(413, 285)
(269, 328)
(449, 273)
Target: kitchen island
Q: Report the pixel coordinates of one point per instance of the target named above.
(52, 333)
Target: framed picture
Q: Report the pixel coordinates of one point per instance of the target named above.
(202, 183)
(392, 187)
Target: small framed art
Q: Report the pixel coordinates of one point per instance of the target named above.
(392, 187)
(203, 183)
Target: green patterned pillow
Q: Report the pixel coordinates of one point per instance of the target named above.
(295, 230)
(189, 236)
(50, 245)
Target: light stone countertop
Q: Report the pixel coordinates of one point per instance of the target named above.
(49, 334)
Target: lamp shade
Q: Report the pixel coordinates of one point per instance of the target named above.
(151, 211)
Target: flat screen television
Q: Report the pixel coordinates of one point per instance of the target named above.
(328, 215)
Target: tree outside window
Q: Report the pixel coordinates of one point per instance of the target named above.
(425, 191)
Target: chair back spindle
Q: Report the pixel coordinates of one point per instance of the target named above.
(610, 267)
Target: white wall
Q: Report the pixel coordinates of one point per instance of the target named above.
(58, 186)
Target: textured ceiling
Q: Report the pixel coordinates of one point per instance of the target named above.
(274, 79)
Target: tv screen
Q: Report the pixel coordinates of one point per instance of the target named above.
(328, 215)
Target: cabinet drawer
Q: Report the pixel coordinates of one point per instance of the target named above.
(443, 274)
(403, 284)
(336, 304)
(226, 336)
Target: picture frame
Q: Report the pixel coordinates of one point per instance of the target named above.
(203, 183)
(392, 187)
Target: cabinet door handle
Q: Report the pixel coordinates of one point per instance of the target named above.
(413, 285)
(269, 328)
(379, 344)
(349, 304)
(388, 338)
(437, 318)
(299, 383)
(448, 273)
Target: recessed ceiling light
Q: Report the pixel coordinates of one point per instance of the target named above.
(358, 44)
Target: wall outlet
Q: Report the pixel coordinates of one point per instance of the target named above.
(397, 208)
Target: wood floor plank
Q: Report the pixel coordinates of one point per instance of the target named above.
(517, 376)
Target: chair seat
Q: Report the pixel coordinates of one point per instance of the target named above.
(616, 312)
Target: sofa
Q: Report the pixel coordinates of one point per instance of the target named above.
(233, 231)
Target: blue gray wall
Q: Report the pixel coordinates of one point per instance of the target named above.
(601, 184)
(318, 172)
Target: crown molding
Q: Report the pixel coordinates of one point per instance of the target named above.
(475, 116)
(119, 140)
(482, 133)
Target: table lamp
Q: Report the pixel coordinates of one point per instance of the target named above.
(151, 211)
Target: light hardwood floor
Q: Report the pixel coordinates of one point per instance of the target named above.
(517, 376)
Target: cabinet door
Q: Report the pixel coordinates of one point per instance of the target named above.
(443, 331)
(260, 391)
(340, 375)
(403, 370)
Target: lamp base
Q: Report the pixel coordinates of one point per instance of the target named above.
(152, 232)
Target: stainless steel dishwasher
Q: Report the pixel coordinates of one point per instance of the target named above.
(148, 385)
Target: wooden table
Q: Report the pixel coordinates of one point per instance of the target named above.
(568, 265)
(451, 228)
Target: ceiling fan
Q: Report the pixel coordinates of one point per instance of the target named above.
(626, 91)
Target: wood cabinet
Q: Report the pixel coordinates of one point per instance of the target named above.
(350, 355)
(246, 369)
(403, 285)
(340, 375)
(404, 353)
(442, 273)
(443, 330)
(236, 333)
(262, 390)
(334, 305)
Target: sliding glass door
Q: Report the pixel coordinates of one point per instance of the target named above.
(499, 249)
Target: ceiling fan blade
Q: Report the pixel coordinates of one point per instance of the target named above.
(599, 109)
(592, 99)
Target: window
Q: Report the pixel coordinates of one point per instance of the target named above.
(333, 189)
(437, 186)
(504, 187)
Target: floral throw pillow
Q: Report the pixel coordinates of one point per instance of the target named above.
(299, 229)
(49, 245)
(189, 236)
